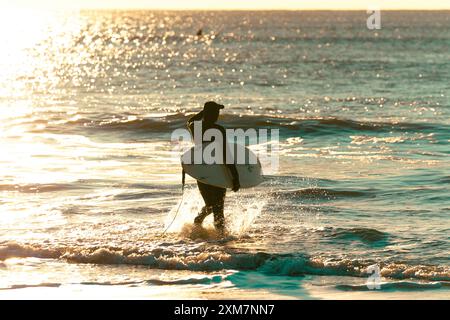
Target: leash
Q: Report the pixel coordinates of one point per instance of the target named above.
(183, 181)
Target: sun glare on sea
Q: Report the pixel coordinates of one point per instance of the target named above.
(31, 55)
(20, 31)
(34, 46)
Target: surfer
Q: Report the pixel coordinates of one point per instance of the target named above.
(214, 197)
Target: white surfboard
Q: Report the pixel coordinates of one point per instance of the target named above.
(218, 175)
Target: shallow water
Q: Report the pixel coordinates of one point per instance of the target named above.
(90, 179)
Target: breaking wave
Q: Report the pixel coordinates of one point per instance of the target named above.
(213, 258)
(168, 123)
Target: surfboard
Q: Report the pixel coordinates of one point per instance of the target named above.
(247, 164)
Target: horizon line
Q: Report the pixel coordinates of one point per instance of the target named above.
(256, 9)
(69, 8)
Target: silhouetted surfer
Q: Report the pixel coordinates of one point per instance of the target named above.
(214, 197)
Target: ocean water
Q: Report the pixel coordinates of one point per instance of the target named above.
(90, 178)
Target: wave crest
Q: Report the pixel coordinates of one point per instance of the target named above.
(213, 258)
(168, 123)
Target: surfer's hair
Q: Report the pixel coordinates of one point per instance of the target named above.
(211, 111)
(211, 115)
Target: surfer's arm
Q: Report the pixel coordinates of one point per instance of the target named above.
(196, 117)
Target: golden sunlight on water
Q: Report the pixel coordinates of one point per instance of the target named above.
(24, 33)
(42, 60)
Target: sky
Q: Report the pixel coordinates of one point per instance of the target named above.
(230, 4)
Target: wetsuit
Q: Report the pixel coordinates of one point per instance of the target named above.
(214, 197)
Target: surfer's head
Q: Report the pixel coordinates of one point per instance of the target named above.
(211, 111)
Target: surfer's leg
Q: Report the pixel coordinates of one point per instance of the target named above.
(202, 215)
(214, 198)
(218, 207)
(219, 219)
(206, 210)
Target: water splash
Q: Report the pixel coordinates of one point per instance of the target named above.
(240, 211)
